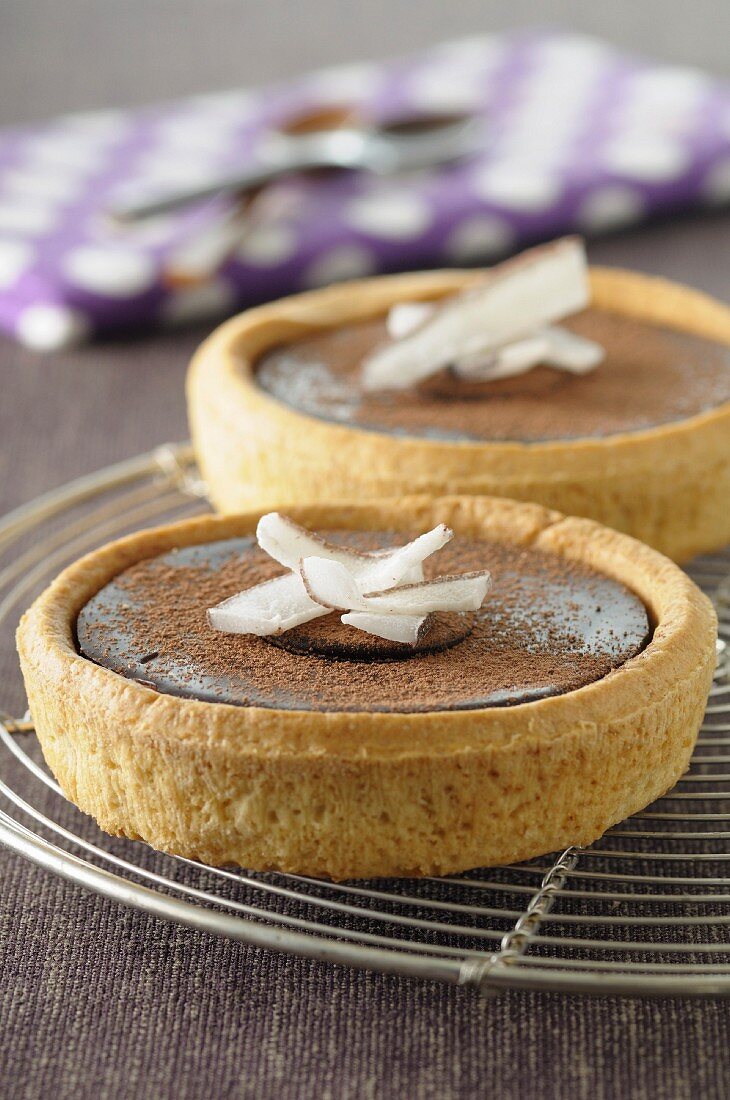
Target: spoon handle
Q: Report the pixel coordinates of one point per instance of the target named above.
(287, 155)
(237, 183)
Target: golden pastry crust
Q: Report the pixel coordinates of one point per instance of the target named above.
(372, 794)
(668, 486)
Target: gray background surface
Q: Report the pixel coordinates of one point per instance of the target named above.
(97, 1003)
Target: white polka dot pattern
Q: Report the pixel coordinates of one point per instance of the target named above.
(347, 261)
(267, 245)
(447, 89)
(641, 158)
(389, 215)
(611, 207)
(26, 218)
(577, 136)
(15, 258)
(479, 237)
(51, 327)
(115, 272)
(343, 83)
(38, 185)
(517, 186)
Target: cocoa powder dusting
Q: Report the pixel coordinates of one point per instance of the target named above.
(329, 637)
(548, 626)
(650, 376)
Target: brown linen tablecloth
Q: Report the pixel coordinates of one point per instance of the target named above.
(99, 1002)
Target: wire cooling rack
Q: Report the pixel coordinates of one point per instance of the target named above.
(643, 911)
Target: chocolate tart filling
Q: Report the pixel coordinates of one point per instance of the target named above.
(548, 626)
(650, 376)
(329, 637)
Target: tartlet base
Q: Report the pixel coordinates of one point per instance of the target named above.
(349, 795)
(668, 486)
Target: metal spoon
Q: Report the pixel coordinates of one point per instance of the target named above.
(398, 146)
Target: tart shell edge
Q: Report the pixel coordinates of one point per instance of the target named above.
(347, 795)
(667, 485)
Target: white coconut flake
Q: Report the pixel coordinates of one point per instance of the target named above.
(507, 362)
(405, 317)
(381, 592)
(286, 542)
(458, 592)
(550, 347)
(394, 628)
(405, 563)
(517, 299)
(269, 608)
(331, 584)
(568, 351)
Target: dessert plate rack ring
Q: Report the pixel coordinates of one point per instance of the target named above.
(644, 911)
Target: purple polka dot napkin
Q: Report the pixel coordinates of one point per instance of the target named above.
(578, 137)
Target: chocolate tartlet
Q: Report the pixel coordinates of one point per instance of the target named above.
(652, 376)
(545, 723)
(278, 411)
(548, 626)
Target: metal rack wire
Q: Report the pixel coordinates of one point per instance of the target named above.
(643, 911)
